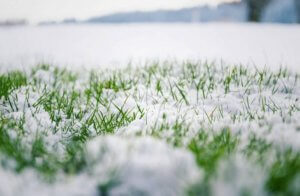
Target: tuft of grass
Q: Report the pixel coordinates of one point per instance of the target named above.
(284, 174)
(208, 151)
(10, 82)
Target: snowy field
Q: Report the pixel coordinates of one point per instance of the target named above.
(161, 128)
(105, 45)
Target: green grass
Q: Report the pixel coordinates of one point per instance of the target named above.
(208, 151)
(10, 82)
(210, 111)
(283, 172)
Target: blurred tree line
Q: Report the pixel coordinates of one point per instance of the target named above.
(256, 8)
(297, 4)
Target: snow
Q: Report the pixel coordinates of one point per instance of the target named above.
(140, 158)
(132, 161)
(237, 176)
(141, 164)
(114, 45)
(136, 166)
(29, 183)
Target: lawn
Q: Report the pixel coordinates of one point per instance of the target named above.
(164, 128)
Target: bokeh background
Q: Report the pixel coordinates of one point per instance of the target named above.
(107, 33)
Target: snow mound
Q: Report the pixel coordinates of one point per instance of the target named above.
(140, 166)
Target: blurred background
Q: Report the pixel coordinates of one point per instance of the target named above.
(93, 33)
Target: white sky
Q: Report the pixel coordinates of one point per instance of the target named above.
(39, 10)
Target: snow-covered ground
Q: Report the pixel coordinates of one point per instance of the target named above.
(162, 130)
(166, 128)
(105, 45)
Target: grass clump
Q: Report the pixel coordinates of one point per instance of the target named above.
(10, 82)
(208, 151)
(284, 174)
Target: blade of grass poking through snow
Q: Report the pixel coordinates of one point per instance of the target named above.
(182, 93)
(166, 128)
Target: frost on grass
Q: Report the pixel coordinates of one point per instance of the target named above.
(192, 128)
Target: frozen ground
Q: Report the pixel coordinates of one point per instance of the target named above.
(164, 130)
(105, 45)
